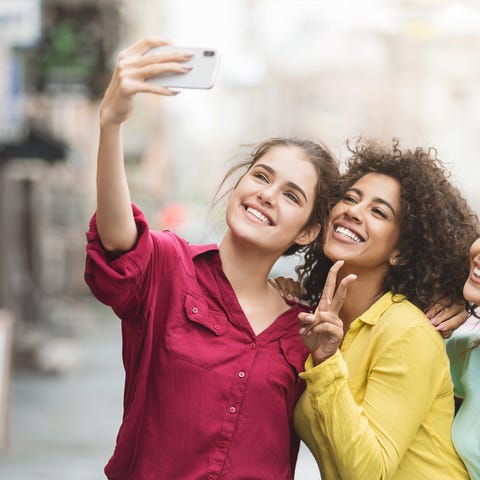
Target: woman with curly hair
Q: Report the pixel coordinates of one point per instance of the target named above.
(379, 399)
(464, 353)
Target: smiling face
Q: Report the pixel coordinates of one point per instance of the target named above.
(471, 289)
(364, 227)
(272, 202)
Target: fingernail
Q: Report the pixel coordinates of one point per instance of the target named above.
(302, 331)
(186, 68)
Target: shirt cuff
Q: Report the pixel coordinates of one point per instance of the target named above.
(319, 378)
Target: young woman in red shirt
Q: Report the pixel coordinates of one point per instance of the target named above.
(211, 350)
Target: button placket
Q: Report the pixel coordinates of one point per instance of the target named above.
(233, 408)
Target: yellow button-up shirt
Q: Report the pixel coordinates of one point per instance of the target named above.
(382, 407)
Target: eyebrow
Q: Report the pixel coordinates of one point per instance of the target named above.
(292, 185)
(376, 199)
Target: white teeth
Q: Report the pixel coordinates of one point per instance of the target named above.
(476, 272)
(348, 233)
(258, 215)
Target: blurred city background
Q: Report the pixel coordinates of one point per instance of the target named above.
(331, 70)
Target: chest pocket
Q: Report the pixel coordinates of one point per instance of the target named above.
(198, 336)
(286, 362)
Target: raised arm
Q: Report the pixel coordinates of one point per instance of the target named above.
(115, 222)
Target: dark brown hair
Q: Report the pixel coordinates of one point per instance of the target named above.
(437, 225)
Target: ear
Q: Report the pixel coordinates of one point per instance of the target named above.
(308, 235)
(396, 259)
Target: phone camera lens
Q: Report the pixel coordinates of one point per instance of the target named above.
(208, 53)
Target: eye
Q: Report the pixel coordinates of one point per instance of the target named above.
(349, 198)
(291, 196)
(261, 176)
(379, 212)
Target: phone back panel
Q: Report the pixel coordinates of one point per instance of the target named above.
(204, 65)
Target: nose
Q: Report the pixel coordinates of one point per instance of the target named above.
(267, 195)
(353, 211)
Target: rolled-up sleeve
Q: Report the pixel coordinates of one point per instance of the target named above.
(115, 281)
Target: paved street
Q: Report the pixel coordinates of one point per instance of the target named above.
(63, 427)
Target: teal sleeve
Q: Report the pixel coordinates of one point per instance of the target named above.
(457, 346)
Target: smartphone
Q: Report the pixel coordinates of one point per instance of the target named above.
(202, 75)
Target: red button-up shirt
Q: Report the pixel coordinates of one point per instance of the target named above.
(205, 398)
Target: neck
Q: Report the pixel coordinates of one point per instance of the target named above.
(361, 295)
(246, 268)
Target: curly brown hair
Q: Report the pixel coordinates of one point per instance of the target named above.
(437, 225)
(317, 154)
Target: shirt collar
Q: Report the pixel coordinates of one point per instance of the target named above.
(197, 250)
(372, 315)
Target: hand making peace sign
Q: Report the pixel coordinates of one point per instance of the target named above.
(322, 331)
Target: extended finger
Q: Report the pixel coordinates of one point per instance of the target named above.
(329, 287)
(341, 293)
(456, 312)
(447, 327)
(283, 285)
(159, 56)
(157, 69)
(145, 44)
(274, 282)
(292, 288)
(133, 86)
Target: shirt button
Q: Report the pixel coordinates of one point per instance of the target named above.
(232, 409)
(241, 374)
(253, 345)
(211, 477)
(216, 326)
(195, 310)
(222, 443)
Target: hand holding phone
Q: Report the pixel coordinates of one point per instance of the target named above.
(204, 63)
